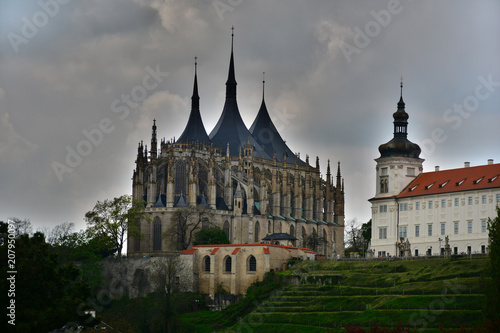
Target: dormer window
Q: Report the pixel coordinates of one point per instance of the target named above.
(491, 180)
(413, 188)
(461, 182)
(443, 184)
(429, 186)
(478, 180)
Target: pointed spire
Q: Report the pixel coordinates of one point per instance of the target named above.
(339, 177)
(195, 99)
(263, 84)
(401, 103)
(195, 130)
(153, 140)
(231, 79)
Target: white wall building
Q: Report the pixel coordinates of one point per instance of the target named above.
(424, 208)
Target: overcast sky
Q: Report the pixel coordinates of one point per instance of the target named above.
(68, 137)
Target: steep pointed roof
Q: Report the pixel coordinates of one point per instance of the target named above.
(230, 128)
(194, 131)
(266, 134)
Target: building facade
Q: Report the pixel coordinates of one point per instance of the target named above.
(248, 178)
(429, 211)
(234, 267)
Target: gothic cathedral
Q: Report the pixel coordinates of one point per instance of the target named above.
(249, 181)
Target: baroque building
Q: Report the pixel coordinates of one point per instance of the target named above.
(248, 178)
(417, 213)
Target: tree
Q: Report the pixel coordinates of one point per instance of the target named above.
(212, 235)
(114, 220)
(165, 271)
(22, 227)
(60, 233)
(47, 294)
(493, 290)
(184, 223)
(366, 232)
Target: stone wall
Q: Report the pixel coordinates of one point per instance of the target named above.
(132, 277)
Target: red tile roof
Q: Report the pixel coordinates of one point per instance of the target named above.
(214, 251)
(236, 250)
(454, 180)
(192, 251)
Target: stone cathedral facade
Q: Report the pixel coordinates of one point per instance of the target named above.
(249, 179)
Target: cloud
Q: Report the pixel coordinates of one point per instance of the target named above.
(14, 149)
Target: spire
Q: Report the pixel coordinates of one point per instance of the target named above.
(195, 99)
(230, 128)
(263, 85)
(231, 80)
(153, 140)
(339, 177)
(194, 131)
(401, 103)
(400, 145)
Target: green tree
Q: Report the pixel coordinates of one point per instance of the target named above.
(46, 293)
(212, 235)
(113, 220)
(493, 290)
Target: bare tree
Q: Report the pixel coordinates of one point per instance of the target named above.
(22, 227)
(164, 276)
(60, 233)
(184, 224)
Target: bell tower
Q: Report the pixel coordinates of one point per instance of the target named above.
(399, 162)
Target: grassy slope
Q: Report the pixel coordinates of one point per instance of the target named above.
(418, 293)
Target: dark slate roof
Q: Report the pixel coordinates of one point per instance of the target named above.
(221, 204)
(279, 236)
(181, 202)
(266, 134)
(159, 202)
(230, 128)
(194, 131)
(201, 200)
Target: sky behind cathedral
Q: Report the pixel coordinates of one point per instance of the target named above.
(82, 81)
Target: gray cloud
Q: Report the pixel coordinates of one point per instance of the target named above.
(62, 83)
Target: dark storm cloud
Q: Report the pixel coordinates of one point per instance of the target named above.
(332, 84)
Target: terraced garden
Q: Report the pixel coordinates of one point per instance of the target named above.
(420, 294)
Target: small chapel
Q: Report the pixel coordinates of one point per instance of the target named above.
(248, 179)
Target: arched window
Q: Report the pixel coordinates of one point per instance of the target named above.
(227, 263)
(206, 263)
(157, 234)
(269, 227)
(226, 230)
(292, 230)
(279, 226)
(180, 178)
(304, 234)
(252, 264)
(257, 231)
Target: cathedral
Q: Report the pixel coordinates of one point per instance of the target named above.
(248, 180)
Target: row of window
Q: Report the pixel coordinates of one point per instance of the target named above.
(429, 251)
(228, 262)
(403, 230)
(430, 204)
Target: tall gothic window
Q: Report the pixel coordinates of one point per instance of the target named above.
(256, 233)
(180, 178)
(157, 234)
(137, 239)
(292, 230)
(226, 230)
